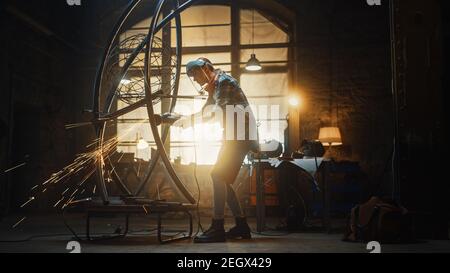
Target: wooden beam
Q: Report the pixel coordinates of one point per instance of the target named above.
(235, 41)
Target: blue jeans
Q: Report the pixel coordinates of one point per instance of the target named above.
(227, 168)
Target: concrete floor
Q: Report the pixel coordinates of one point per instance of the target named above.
(142, 241)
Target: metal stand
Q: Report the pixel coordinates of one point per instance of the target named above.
(260, 199)
(161, 241)
(88, 229)
(326, 217)
(127, 207)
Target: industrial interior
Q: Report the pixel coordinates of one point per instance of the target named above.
(349, 105)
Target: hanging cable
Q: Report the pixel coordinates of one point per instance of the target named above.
(199, 223)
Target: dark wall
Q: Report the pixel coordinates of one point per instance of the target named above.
(36, 70)
(345, 79)
(419, 74)
(49, 53)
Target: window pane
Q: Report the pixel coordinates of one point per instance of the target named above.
(206, 15)
(273, 84)
(264, 31)
(266, 54)
(140, 113)
(270, 109)
(187, 107)
(204, 36)
(144, 154)
(205, 26)
(129, 131)
(215, 58)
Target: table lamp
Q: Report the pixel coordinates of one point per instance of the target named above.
(330, 136)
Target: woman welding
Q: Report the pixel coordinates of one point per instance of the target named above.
(225, 97)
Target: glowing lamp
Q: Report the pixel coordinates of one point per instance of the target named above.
(330, 136)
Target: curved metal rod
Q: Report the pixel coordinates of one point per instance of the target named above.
(135, 53)
(151, 112)
(174, 97)
(100, 69)
(100, 128)
(142, 103)
(118, 180)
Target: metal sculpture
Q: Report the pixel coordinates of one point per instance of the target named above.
(159, 79)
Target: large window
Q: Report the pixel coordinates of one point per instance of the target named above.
(207, 32)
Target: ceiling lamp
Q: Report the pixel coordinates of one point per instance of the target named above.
(253, 63)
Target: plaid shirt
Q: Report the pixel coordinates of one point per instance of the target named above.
(228, 92)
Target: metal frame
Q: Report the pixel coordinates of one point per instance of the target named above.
(127, 207)
(101, 116)
(104, 113)
(88, 228)
(159, 230)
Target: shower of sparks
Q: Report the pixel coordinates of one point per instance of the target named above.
(64, 192)
(27, 202)
(18, 223)
(77, 125)
(74, 193)
(93, 143)
(120, 158)
(14, 168)
(83, 167)
(57, 203)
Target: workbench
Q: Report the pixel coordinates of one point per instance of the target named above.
(317, 168)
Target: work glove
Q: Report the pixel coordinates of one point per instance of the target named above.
(170, 118)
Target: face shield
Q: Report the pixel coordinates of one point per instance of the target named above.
(195, 73)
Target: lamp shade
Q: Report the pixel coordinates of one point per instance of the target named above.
(330, 136)
(253, 64)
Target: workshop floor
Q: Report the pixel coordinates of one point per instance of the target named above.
(143, 241)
